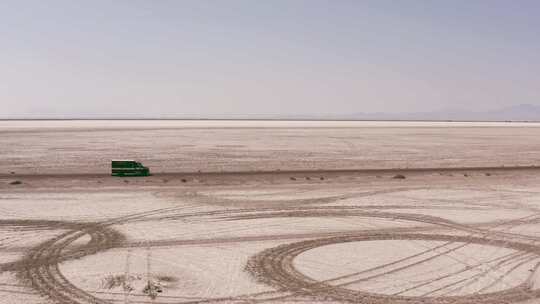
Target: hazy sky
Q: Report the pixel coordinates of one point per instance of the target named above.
(227, 57)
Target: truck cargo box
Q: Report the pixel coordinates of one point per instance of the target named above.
(127, 167)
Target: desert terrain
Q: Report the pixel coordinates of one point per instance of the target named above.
(270, 212)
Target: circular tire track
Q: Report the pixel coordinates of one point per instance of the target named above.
(274, 266)
(41, 266)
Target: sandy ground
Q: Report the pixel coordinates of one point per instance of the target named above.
(320, 236)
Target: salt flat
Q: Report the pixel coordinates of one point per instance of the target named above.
(294, 228)
(39, 147)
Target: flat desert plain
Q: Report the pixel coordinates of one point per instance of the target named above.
(270, 212)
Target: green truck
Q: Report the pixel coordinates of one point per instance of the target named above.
(128, 167)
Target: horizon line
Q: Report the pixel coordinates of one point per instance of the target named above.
(256, 119)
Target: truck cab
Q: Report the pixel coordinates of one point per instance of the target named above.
(123, 167)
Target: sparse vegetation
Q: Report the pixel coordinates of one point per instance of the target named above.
(166, 278)
(152, 289)
(112, 281)
(17, 182)
(399, 176)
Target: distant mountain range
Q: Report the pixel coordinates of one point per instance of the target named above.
(522, 112)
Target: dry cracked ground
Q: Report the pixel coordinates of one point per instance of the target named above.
(285, 213)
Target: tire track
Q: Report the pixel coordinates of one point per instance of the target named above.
(275, 267)
(41, 266)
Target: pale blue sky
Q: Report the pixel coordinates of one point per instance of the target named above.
(265, 57)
